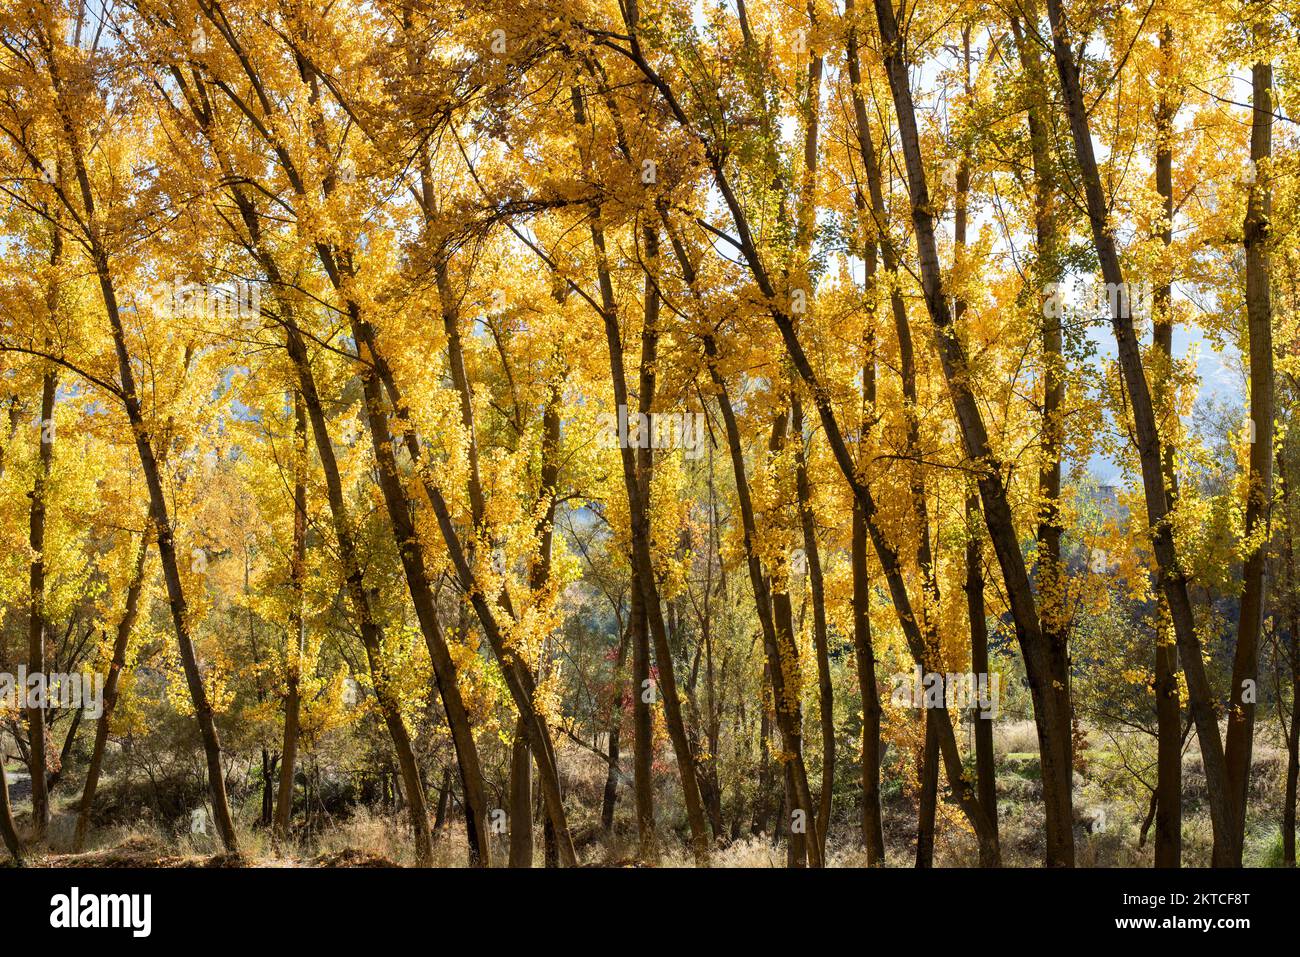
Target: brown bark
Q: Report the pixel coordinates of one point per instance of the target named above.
(1239, 740)
(985, 765)
(521, 786)
(38, 762)
(8, 832)
(371, 633)
(929, 801)
(521, 799)
(642, 728)
(1048, 686)
(825, 692)
(418, 582)
(1293, 665)
(1173, 580)
(1169, 747)
(609, 797)
(873, 835)
(873, 830)
(643, 713)
(1049, 481)
(297, 632)
(774, 614)
(129, 396)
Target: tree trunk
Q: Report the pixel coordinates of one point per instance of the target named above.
(643, 710)
(1049, 487)
(925, 815)
(339, 267)
(521, 799)
(153, 477)
(1169, 744)
(297, 624)
(763, 793)
(1050, 694)
(774, 613)
(7, 830)
(985, 768)
(825, 692)
(609, 798)
(873, 829)
(38, 762)
(1293, 664)
(1173, 580)
(806, 224)
(1239, 741)
(444, 802)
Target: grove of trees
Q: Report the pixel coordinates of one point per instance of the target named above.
(588, 431)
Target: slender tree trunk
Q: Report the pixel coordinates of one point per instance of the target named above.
(444, 802)
(411, 552)
(153, 478)
(873, 830)
(8, 832)
(925, 815)
(171, 569)
(763, 795)
(1049, 486)
(297, 624)
(1173, 580)
(121, 641)
(774, 613)
(643, 712)
(1293, 664)
(521, 763)
(38, 762)
(1169, 744)
(1050, 694)
(643, 729)
(1239, 741)
(609, 798)
(825, 692)
(796, 831)
(521, 799)
(1292, 759)
(806, 224)
(873, 834)
(907, 375)
(269, 764)
(985, 768)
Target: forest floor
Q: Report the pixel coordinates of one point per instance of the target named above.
(1112, 802)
